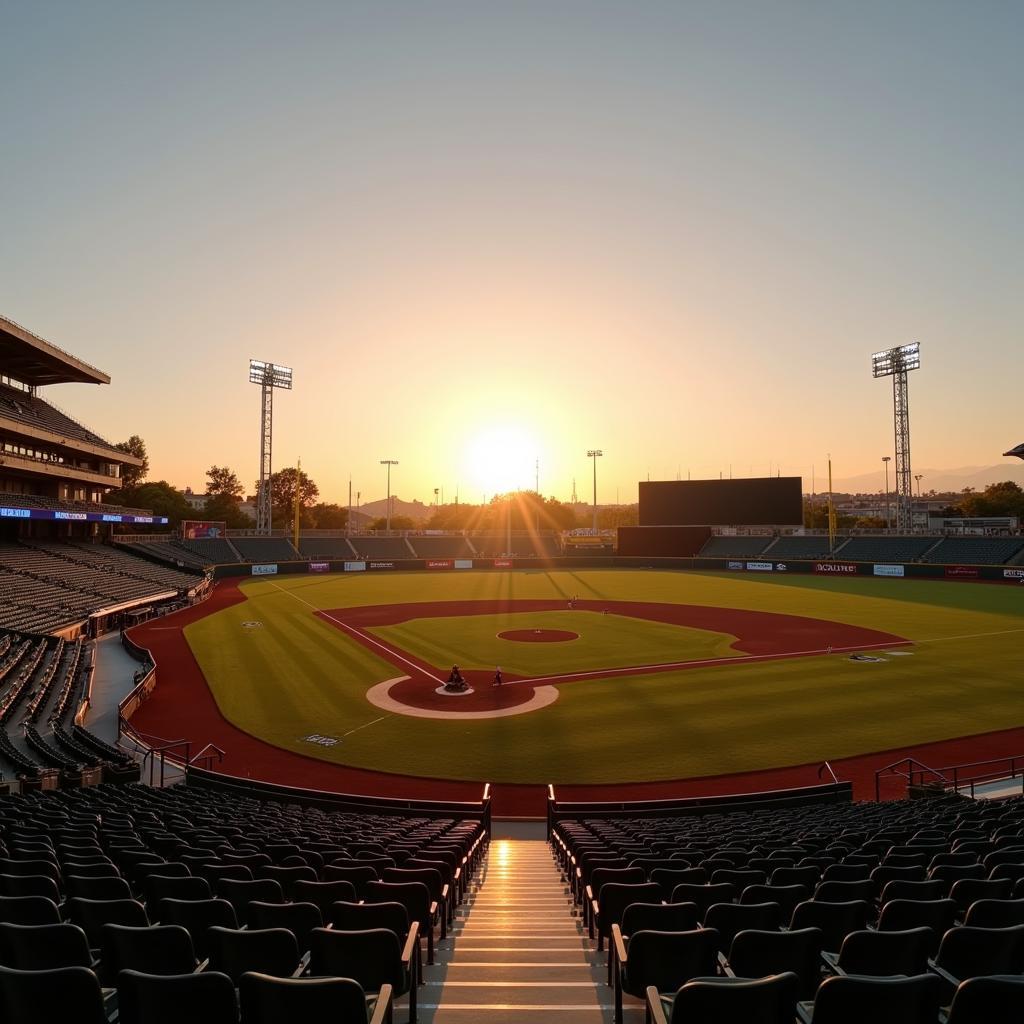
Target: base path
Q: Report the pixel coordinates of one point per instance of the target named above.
(182, 707)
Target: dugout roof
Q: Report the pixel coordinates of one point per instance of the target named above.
(36, 362)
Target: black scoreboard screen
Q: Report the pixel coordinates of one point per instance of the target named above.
(755, 501)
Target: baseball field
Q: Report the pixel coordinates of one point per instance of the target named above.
(609, 676)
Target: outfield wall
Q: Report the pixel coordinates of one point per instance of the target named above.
(819, 567)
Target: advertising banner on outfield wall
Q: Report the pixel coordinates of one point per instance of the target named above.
(355, 567)
(760, 566)
(382, 565)
(439, 563)
(264, 570)
(734, 565)
(962, 572)
(503, 563)
(835, 568)
(463, 563)
(1013, 574)
(890, 570)
(319, 566)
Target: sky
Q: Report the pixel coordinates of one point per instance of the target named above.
(492, 235)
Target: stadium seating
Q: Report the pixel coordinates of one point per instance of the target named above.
(975, 550)
(441, 547)
(8, 500)
(885, 549)
(388, 549)
(797, 547)
(524, 545)
(43, 680)
(44, 586)
(734, 547)
(265, 549)
(31, 409)
(153, 966)
(887, 939)
(336, 548)
(209, 550)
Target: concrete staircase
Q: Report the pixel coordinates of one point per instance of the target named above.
(517, 952)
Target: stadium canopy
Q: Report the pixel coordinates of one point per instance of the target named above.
(35, 362)
(1018, 451)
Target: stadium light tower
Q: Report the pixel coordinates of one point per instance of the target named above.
(887, 459)
(595, 454)
(268, 376)
(897, 363)
(389, 463)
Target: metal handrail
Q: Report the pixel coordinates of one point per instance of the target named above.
(207, 754)
(825, 766)
(913, 766)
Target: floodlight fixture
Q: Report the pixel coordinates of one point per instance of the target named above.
(268, 376)
(897, 363)
(270, 373)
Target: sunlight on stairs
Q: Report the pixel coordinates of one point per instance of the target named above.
(517, 952)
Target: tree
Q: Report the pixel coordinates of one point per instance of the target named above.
(221, 508)
(329, 517)
(222, 482)
(132, 476)
(282, 495)
(1002, 499)
(158, 497)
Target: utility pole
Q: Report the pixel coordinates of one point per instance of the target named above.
(595, 454)
(389, 463)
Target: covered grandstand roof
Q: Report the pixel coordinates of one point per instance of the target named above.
(30, 359)
(1018, 451)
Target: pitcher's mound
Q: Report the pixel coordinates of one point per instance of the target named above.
(539, 636)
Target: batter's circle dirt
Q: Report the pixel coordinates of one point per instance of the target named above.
(539, 636)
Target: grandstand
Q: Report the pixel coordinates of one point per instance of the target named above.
(382, 548)
(886, 549)
(798, 546)
(975, 550)
(441, 547)
(265, 549)
(734, 547)
(337, 548)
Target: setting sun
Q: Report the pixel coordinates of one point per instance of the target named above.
(500, 458)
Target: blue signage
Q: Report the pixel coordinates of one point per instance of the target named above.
(79, 517)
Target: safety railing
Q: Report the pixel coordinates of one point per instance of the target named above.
(916, 774)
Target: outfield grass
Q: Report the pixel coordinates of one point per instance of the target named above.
(295, 674)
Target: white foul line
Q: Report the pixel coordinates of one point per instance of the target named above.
(365, 725)
(361, 634)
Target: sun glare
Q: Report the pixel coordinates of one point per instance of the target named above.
(501, 458)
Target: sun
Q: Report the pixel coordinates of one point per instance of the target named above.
(501, 458)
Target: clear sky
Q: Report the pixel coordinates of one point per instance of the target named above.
(488, 232)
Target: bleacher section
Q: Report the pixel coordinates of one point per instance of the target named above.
(32, 410)
(381, 548)
(335, 548)
(250, 885)
(734, 547)
(265, 549)
(496, 545)
(211, 551)
(976, 550)
(885, 549)
(441, 547)
(45, 586)
(8, 500)
(926, 889)
(802, 547)
(42, 683)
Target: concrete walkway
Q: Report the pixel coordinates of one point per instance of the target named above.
(517, 953)
(112, 682)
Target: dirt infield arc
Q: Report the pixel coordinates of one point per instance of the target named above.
(761, 636)
(182, 707)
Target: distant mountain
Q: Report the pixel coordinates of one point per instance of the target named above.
(415, 510)
(940, 480)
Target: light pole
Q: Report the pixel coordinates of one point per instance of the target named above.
(595, 454)
(389, 463)
(887, 459)
(917, 477)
